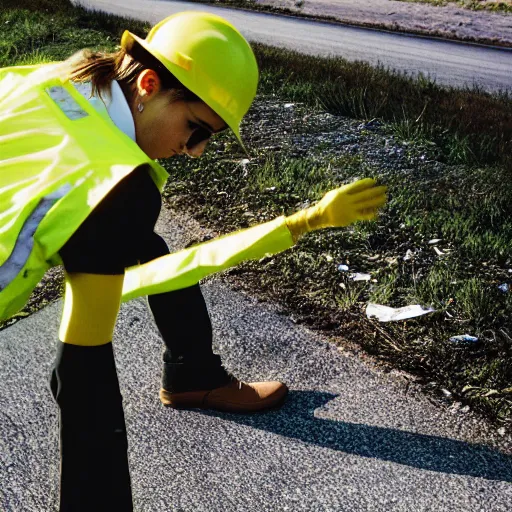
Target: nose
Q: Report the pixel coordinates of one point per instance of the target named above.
(197, 150)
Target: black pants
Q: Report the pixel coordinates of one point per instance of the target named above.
(94, 462)
(184, 324)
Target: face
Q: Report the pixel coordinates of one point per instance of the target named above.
(168, 127)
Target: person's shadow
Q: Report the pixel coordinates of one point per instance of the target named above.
(296, 420)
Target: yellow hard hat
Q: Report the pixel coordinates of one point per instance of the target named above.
(209, 57)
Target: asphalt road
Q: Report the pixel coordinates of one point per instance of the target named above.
(450, 63)
(349, 438)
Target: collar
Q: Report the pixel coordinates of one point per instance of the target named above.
(115, 103)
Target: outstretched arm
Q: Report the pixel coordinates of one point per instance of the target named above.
(339, 207)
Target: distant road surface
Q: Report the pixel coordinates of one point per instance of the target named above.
(450, 63)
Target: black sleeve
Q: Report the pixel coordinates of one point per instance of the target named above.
(114, 234)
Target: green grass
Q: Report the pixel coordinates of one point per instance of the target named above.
(475, 5)
(466, 203)
(468, 125)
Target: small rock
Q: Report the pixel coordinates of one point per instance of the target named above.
(502, 431)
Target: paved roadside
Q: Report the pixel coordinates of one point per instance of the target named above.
(449, 20)
(348, 438)
(450, 63)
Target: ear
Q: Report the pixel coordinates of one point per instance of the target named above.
(148, 84)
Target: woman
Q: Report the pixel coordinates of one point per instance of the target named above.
(81, 188)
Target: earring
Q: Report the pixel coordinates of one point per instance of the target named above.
(140, 107)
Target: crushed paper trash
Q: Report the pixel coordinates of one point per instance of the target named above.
(387, 314)
(357, 276)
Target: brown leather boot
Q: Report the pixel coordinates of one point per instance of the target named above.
(236, 396)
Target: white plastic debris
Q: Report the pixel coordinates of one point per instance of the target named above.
(408, 255)
(434, 241)
(438, 252)
(387, 314)
(505, 287)
(357, 276)
(289, 105)
(343, 268)
(464, 338)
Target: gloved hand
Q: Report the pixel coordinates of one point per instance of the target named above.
(339, 207)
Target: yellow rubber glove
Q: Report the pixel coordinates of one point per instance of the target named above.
(339, 207)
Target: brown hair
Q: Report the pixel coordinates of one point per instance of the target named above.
(100, 68)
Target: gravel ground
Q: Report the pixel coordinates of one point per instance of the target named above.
(448, 21)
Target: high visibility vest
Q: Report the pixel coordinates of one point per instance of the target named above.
(59, 158)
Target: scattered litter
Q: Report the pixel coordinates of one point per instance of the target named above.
(446, 393)
(502, 431)
(434, 241)
(360, 277)
(438, 252)
(464, 338)
(409, 255)
(387, 314)
(270, 189)
(289, 105)
(328, 257)
(343, 268)
(505, 287)
(465, 408)
(373, 124)
(244, 161)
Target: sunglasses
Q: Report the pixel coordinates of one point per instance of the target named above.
(199, 134)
